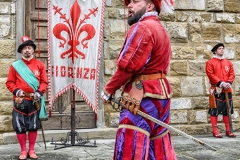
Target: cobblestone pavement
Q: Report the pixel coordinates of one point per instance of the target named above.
(186, 149)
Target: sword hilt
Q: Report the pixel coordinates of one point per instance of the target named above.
(116, 103)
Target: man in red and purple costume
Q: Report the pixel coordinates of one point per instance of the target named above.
(143, 64)
(23, 74)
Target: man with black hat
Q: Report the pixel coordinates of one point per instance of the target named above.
(142, 66)
(221, 75)
(27, 80)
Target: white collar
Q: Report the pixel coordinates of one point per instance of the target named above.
(218, 57)
(149, 14)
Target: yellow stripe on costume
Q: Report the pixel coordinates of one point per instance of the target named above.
(134, 128)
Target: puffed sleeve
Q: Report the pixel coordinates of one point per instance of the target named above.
(42, 79)
(211, 74)
(137, 50)
(134, 55)
(231, 73)
(11, 81)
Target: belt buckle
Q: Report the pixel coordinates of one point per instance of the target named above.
(139, 85)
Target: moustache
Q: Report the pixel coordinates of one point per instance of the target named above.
(130, 11)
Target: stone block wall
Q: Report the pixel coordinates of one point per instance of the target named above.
(194, 28)
(7, 56)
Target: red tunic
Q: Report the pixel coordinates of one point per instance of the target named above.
(15, 81)
(146, 51)
(220, 70)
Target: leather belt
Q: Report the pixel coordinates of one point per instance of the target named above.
(27, 95)
(150, 77)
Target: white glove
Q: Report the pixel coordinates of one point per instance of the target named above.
(20, 93)
(105, 98)
(35, 96)
(226, 86)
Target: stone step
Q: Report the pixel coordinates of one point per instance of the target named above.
(57, 135)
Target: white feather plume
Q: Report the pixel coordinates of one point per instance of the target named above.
(167, 6)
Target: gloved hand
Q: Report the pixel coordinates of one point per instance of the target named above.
(105, 98)
(36, 96)
(20, 93)
(226, 86)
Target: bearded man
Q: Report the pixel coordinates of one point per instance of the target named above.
(27, 81)
(142, 66)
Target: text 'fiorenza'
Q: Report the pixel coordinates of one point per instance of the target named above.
(73, 72)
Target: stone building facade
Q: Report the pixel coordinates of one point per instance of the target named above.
(194, 28)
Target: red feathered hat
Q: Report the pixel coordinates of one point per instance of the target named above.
(165, 6)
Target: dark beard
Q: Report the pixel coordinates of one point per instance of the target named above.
(27, 55)
(136, 16)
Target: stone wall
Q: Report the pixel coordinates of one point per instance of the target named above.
(7, 56)
(194, 28)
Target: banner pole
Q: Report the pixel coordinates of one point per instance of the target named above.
(73, 134)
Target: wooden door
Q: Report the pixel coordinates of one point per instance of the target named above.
(36, 27)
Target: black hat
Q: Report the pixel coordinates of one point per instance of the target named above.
(26, 42)
(216, 47)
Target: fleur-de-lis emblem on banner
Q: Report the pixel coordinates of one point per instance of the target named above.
(74, 27)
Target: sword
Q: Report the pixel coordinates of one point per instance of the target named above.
(43, 135)
(37, 104)
(162, 124)
(229, 111)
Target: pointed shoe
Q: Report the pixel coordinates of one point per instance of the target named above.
(23, 155)
(32, 155)
(217, 135)
(229, 134)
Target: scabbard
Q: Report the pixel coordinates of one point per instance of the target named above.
(212, 101)
(229, 111)
(37, 104)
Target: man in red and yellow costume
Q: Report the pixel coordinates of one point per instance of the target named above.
(221, 75)
(23, 75)
(142, 66)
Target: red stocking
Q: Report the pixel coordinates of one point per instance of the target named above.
(227, 125)
(22, 141)
(226, 122)
(32, 137)
(214, 120)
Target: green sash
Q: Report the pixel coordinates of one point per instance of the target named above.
(32, 81)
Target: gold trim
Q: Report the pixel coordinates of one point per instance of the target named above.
(134, 128)
(164, 87)
(157, 96)
(159, 136)
(164, 94)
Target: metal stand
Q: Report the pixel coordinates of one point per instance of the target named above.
(73, 134)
